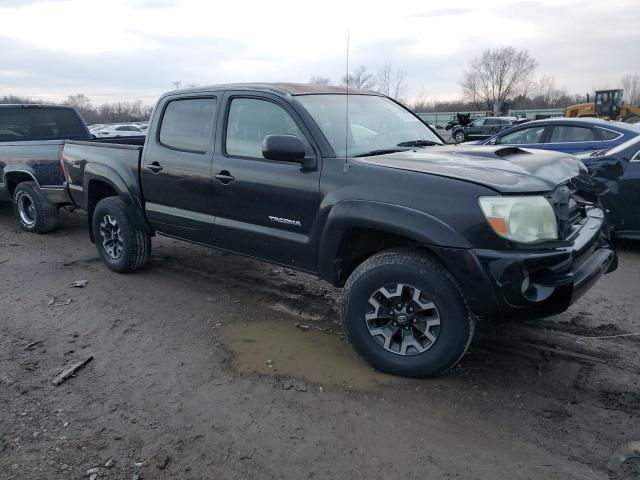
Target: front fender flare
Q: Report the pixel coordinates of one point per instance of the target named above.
(418, 226)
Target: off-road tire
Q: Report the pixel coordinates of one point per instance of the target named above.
(136, 243)
(44, 214)
(425, 272)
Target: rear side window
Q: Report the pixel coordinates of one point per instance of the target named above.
(250, 120)
(187, 124)
(608, 134)
(40, 123)
(563, 134)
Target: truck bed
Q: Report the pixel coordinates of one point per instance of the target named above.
(121, 155)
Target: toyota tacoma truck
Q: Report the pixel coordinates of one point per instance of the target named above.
(354, 188)
(31, 137)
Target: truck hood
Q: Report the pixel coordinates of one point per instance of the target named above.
(504, 169)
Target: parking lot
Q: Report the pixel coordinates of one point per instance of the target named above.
(207, 365)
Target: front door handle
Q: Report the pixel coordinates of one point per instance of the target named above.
(224, 177)
(155, 167)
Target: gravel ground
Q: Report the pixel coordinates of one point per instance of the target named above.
(201, 368)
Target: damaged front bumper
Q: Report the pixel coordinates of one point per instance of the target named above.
(534, 283)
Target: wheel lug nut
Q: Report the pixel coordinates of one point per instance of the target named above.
(406, 328)
(415, 321)
(395, 324)
(399, 305)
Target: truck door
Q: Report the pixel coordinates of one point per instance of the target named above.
(263, 208)
(176, 168)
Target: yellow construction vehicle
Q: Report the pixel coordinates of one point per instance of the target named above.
(608, 105)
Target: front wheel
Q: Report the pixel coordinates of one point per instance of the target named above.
(35, 213)
(458, 136)
(122, 246)
(403, 312)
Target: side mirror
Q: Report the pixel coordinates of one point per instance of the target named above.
(286, 148)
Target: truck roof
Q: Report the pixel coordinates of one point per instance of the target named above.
(282, 88)
(33, 105)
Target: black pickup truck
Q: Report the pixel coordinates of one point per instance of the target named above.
(354, 188)
(31, 137)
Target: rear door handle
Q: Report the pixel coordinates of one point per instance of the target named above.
(155, 167)
(224, 177)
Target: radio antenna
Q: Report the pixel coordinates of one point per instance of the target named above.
(346, 125)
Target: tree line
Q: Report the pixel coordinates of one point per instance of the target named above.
(496, 76)
(108, 112)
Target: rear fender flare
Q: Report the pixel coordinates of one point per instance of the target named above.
(105, 174)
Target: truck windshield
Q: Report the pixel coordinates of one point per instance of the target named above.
(21, 123)
(376, 124)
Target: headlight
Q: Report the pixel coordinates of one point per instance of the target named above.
(524, 219)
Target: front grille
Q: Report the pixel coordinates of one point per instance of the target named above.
(570, 210)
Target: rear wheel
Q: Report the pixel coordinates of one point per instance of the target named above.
(122, 246)
(35, 213)
(632, 118)
(403, 312)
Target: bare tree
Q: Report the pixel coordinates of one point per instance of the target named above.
(359, 79)
(545, 93)
(319, 80)
(391, 81)
(631, 85)
(498, 75)
(79, 101)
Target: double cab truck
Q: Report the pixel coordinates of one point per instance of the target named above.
(31, 137)
(352, 187)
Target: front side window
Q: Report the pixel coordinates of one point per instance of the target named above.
(562, 134)
(492, 122)
(478, 122)
(371, 123)
(187, 124)
(250, 120)
(524, 136)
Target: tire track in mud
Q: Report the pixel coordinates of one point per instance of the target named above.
(592, 367)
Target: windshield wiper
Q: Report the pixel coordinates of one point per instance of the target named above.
(381, 151)
(418, 143)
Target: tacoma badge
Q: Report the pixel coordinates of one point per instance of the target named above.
(286, 221)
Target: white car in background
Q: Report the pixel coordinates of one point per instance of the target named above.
(122, 130)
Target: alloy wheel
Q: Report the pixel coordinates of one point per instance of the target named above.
(402, 320)
(111, 237)
(26, 209)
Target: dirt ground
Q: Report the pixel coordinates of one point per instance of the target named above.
(202, 369)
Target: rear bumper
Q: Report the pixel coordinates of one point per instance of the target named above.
(56, 195)
(527, 284)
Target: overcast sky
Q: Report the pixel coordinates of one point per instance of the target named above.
(134, 49)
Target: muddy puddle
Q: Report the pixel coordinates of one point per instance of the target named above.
(276, 346)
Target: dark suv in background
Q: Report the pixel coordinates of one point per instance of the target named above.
(483, 127)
